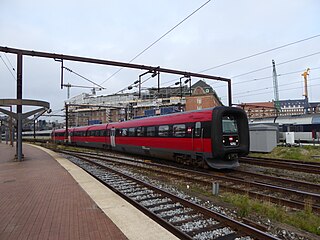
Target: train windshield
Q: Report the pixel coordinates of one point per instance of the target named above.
(229, 125)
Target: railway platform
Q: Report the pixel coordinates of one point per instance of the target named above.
(48, 197)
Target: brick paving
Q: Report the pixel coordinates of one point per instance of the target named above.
(40, 200)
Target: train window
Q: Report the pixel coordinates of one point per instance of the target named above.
(197, 129)
(163, 131)
(132, 132)
(140, 131)
(118, 132)
(229, 125)
(179, 130)
(124, 132)
(151, 131)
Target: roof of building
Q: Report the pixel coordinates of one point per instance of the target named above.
(315, 104)
(258, 105)
(206, 87)
(292, 103)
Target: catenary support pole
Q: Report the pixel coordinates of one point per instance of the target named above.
(19, 107)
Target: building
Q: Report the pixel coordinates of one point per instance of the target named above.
(286, 108)
(86, 109)
(259, 109)
(203, 96)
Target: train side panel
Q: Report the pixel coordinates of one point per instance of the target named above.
(197, 137)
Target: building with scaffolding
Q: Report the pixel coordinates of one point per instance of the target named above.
(86, 109)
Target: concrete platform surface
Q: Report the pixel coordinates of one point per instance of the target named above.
(41, 198)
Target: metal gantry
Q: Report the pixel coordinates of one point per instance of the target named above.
(61, 58)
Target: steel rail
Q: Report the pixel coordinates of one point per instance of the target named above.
(241, 228)
(315, 187)
(289, 165)
(287, 160)
(198, 176)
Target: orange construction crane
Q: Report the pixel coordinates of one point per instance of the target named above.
(305, 75)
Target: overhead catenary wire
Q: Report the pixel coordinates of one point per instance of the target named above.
(133, 85)
(260, 89)
(267, 77)
(278, 64)
(254, 79)
(254, 55)
(243, 94)
(156, 41)
(260, 53)
(79, 75)
(9, 62)
(271, 91)
(8, 68)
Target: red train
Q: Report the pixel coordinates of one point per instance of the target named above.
(213, 137)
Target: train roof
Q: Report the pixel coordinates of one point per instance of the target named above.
(37, 132)
(97, 127)
(174, 118)
(59, 130)
(79, 129)
(297, 119)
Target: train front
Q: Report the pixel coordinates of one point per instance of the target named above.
(229, 136)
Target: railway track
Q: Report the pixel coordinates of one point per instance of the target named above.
(302, 185)
(260, 186)
(183, 218)
(307, 167)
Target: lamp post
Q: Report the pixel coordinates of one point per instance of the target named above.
(154, 73)
(180, 83)
(186, 81)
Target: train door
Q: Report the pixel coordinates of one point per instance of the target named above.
(113, 137)
(197, 137)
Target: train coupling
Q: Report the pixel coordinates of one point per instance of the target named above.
(232, 156)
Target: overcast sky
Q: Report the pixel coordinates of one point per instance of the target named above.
(220, 32)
